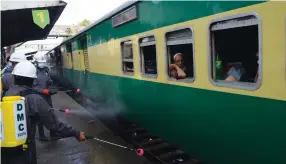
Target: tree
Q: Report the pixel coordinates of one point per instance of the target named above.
(85, 22)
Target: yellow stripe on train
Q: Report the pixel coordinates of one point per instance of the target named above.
(106, 57)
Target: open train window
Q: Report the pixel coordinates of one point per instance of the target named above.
(69, 48)
(63, 49)
(127, 57)
(148, 56)
(69, 53)
(180, 55)
(235, 56)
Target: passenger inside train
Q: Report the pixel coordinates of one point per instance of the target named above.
(178, 69)
(180, 53)
(235, 53)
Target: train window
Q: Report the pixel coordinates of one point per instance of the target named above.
(180, 53)
(63, 49)
(148, 56)
(69, 48)
(127, 57)
(235, 57)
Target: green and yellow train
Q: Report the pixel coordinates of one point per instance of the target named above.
(124, 58)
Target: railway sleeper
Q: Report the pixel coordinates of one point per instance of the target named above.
(158, 147)
(180, 160)
(171, 155)
(164, 150)
(185, 161)
(140, 137)
(146, 139)
(151, 142)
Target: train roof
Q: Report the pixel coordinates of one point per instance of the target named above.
(107, 16)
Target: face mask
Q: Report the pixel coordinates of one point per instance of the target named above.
(41, 65)
(9, 64)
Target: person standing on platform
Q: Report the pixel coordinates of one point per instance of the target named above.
(42, 85)
(37, 110)
(15, 58)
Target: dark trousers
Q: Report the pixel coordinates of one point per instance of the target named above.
(41, 126)
(41, 130)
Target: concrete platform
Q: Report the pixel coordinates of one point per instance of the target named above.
(70, 151)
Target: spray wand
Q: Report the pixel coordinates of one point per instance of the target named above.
(139, 152)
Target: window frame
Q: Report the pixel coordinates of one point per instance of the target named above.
(63, 49)
(69, 44)
(141, 57)
(167, 56)
(236, 85)
(285, 45)
(121, 57)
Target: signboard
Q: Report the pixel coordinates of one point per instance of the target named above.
(1, 128)
(126, 16)
(20, 120)
(41, 18)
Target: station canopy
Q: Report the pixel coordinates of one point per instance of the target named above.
(27, 20)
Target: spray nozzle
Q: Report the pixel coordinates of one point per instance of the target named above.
(140, 152)
(65, 111)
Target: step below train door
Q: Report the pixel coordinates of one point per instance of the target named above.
(87, 73)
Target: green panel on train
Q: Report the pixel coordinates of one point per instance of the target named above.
(215, 125)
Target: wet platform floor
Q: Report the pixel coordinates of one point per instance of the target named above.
(70, 151)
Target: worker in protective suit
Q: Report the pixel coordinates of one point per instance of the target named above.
(42, 85)
(43, 82)
(37, 109)
(7, 66)
(15, 58)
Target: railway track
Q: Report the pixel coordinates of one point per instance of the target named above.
(156, 149)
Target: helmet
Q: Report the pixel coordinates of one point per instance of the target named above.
(25, 69)
(17, 57)
(40, 57)
(23, 54)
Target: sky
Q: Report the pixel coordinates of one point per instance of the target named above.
(78, 10)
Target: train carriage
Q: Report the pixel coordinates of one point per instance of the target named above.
(124, 60)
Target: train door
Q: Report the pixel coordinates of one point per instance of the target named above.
(87, 74)
(70, 60)
(58, 54)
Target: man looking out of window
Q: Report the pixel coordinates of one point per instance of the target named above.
(178, 69)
